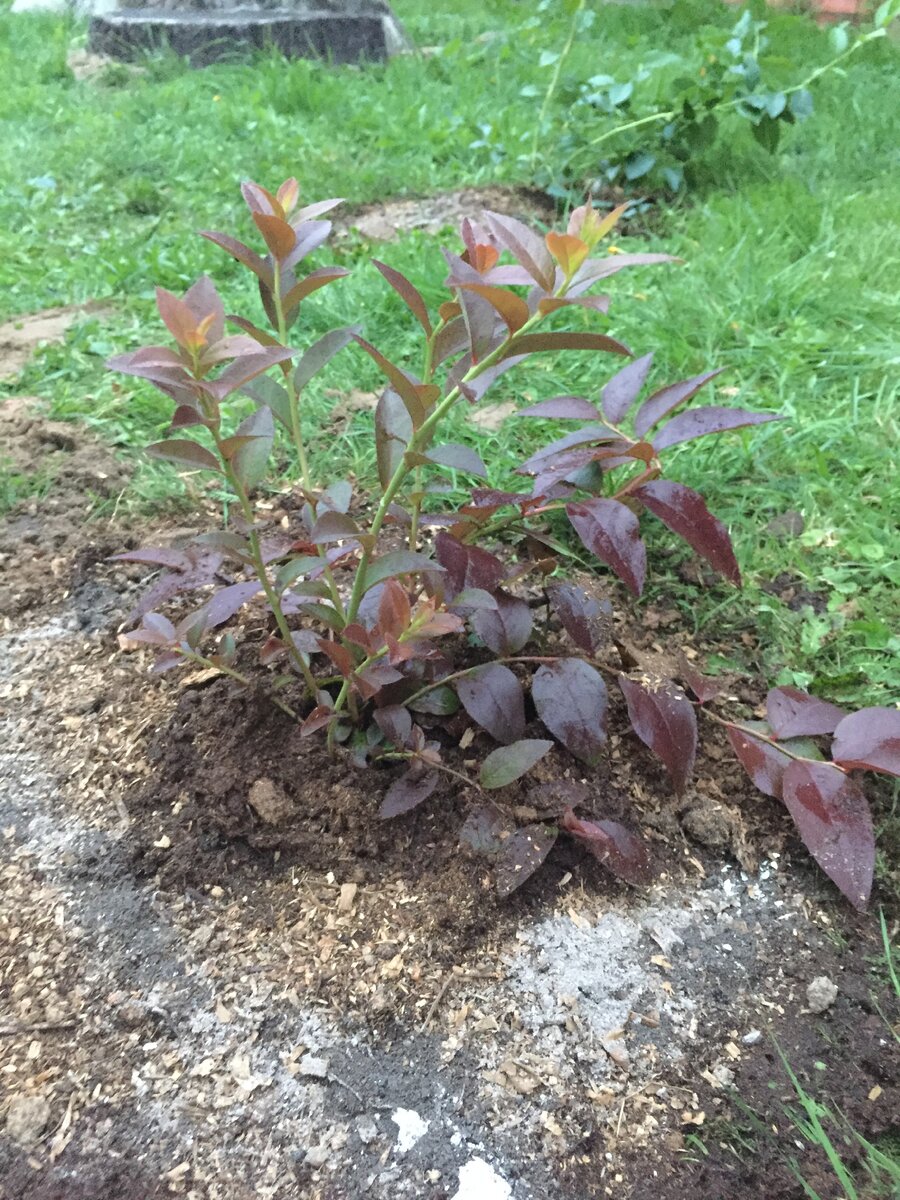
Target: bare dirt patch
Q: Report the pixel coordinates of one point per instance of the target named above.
(43, 536)
(385, 220)
(21, 336)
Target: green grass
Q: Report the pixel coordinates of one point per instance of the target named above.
(790, 274)
(863, 1169)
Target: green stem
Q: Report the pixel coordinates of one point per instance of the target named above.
(554, 82)
(293, 397)
(263, 576)
(724, 105)
(427, 376)
(419, 441)
(405, 756)
(202, 661)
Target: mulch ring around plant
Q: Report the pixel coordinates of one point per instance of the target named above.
(221, 976)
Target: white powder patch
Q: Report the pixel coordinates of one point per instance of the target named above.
(479, 1181)
(410, 1127)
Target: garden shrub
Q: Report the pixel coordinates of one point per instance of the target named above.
(370, 597)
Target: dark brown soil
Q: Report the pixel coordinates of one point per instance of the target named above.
(48, 541)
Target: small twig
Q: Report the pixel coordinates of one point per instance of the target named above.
(457, 977)
(37, 1027)
(435, 1004)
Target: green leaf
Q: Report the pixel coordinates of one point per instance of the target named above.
(398, 562)
(639, 164)
(509, 763)
(886, 12)
(440, 702)
(767, 133)
(775, 104)
(700, 135)
(293, 570)
(801, 104)
(838, 37)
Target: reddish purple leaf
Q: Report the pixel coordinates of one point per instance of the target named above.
(572, 701)
(585, 619)
(317, 209)
(311, 283)
(869, 740)
(333, 527)
(310, 235)
(339, 655)
(526, 247)
(508, 763)
(467, 566)
(483, 831)
(701, 421)
(505, 627)
(320, 353)
(395, 723)
(245, 368)
(617, 848)
(243, 254)
(764, 763)
(611, 531)
(623, 389)
(393, 430)
(475, 389)
(223, 604)
(685, 513)
(320, 716)
(566, 408)
(512, 309)
(479, 317)
(394, 610)
(459, 458)
(704, 687)
(408, 792)
(452, 339)
(833, 818)
(408, 293)
(373, 678)
(155, 630)
(564, 467)
(656, 406)
(530, 343)
(794, 713)
(203, 300)
(521, 854)
(416, 396)
(588, 434)
(492, 696)
(185, 453)
(201, 567)
(157, 556)
(664, 719)
(602, 268)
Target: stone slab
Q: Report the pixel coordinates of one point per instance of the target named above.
(208, 36)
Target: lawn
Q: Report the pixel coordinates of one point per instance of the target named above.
(790, 273)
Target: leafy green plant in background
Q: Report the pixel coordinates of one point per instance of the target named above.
(672, 110)
(366, 616)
